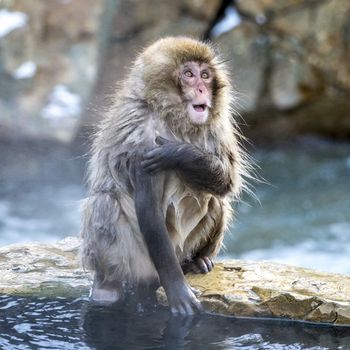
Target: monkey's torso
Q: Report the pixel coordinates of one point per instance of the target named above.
(113, 244)
(165, 164)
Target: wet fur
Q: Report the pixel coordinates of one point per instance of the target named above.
(148, 104)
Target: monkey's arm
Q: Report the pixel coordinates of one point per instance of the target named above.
(152, 225)
(201, 170)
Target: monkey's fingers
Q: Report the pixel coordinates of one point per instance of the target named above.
(153, 154)
(183, 309)
(148, 162)
(187, 307)
(209, 262)
(151, 166)
(197, 306)
(203, 264)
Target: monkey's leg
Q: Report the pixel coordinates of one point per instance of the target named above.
(200, 170)
(99, 248)
(202, 262)
(151, 221)
(214, 224)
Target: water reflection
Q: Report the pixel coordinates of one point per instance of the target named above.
(77, 324)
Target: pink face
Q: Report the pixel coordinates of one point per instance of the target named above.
(197, 81)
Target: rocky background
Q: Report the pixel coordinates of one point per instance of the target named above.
(59, 59)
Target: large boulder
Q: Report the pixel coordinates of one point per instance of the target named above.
(290, 66)
(234, 287)
(48, 60)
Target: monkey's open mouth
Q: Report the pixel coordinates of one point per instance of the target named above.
(200, 108)
(198, 113)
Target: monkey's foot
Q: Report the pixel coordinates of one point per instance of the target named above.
(106, 293)
(198, 265)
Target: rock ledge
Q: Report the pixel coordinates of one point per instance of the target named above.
(235, 287)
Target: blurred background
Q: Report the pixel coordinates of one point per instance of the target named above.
(290, 63)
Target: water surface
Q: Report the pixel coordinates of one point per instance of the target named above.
(29, 323)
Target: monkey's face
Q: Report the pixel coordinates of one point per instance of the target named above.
(197, 87)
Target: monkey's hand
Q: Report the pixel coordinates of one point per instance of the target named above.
(169, 155)
(182, 300)
(200, 170)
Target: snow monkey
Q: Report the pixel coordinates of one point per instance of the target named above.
(165, 165)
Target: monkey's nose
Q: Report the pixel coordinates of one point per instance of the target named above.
(201, 89)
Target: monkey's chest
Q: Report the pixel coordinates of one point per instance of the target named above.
(184, 210)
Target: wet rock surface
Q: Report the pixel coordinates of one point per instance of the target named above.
(234, 287)
(42, 270)
(256, 288)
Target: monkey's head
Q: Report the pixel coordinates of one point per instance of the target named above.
(184, 81)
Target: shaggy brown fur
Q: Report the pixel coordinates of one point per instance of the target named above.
(149, 104)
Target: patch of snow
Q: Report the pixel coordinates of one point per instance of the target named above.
(10, 21)
(62, 104)
(230, 21)
(26, 70)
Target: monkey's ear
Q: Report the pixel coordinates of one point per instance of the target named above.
(161, 140)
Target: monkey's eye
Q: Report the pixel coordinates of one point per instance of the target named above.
(205, 75)
(188, 73)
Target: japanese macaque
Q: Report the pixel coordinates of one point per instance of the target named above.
(165, 165)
